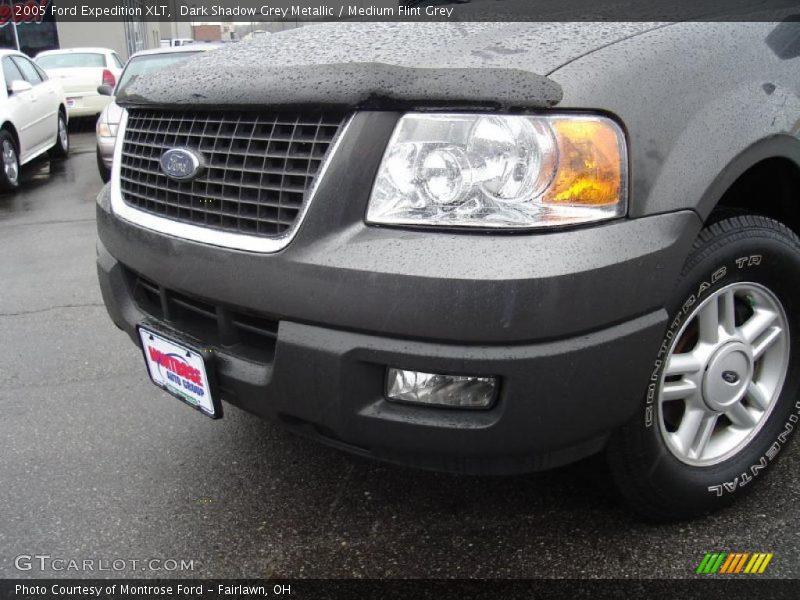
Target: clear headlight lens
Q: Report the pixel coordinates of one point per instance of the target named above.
(105, 129)
(501, 171)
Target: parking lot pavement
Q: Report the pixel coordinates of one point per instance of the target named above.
(96, 463)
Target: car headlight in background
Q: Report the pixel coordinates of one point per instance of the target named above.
(105, 129)
(501, 171)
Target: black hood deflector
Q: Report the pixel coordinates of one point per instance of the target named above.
(383, 66)
(374, 86)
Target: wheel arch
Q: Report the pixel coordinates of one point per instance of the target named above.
(763, 179)
(9, 126)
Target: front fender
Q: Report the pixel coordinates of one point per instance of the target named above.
(701, 103)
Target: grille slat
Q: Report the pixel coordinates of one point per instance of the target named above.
(250, 208)
(259, 166)
(247, 334)
(295, 189)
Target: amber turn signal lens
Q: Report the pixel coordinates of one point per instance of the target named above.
(590, 169)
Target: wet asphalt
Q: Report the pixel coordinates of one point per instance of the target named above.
(97, 464)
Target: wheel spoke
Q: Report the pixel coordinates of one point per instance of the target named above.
(756, 325)
(682, 364)
(766, 340)
(677, 390)
(757, 396)
(740, 416)
(705, 430)
(708, 322)
(688, 429)
(727, 312)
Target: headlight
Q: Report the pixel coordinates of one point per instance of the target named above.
(105, 129)
(501, 171)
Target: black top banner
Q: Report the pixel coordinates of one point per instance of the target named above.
(250, 11)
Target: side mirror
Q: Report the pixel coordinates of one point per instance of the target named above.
(105, 90)
(18, 86)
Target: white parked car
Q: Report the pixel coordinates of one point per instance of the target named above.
(33, 116)
(81, 71)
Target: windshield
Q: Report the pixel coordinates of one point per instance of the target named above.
(148, 63)
(71, 60)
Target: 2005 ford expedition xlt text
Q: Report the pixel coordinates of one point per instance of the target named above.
(480, 247)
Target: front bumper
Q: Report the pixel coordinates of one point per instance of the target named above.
(564, 386)
(105, 150)
(86, 105)
(558, 400)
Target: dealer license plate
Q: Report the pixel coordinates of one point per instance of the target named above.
(71, 102)
(179, 370)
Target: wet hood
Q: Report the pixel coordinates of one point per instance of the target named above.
(384, 65)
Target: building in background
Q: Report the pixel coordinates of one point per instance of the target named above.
(31, 38)
(125, 37)
(207, 33)
(247, 31)
(214, 32)
(175, 30)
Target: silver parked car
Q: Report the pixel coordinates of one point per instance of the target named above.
(139, 64)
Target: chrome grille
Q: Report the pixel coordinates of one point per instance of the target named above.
(259, 166)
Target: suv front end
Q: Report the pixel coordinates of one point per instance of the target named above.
(478, 247)
(319, 316)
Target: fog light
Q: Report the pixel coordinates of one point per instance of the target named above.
(455, 391)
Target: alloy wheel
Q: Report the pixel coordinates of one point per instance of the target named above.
(63, 135)
(723, 374)
(10, 162)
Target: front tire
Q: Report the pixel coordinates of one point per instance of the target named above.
(61, 147)
(9, 169)
(722, 401)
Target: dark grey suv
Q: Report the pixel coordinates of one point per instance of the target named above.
(487, 247)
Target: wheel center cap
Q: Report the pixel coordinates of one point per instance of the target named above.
(727, 375)
(731, 377)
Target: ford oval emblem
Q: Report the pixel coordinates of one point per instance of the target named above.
(731, 377)
(181, 164)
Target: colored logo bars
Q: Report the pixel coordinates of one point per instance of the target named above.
(732, 563)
